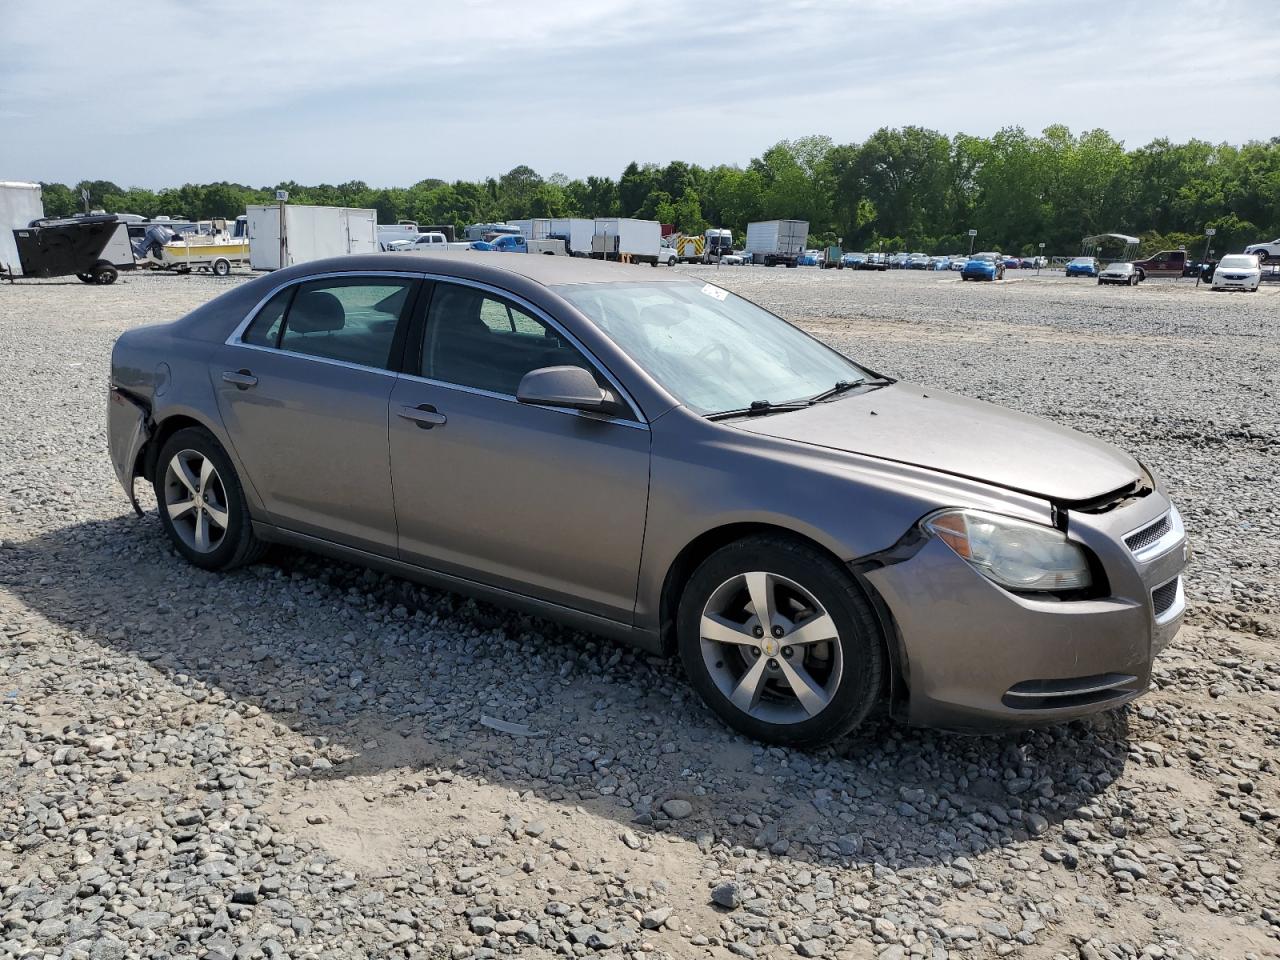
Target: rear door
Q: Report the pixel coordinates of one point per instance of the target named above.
(542, 501)
(303, 393)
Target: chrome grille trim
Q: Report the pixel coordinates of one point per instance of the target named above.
(1156, 537)
(1071, 692)
(1168, 601)
(1148, 534)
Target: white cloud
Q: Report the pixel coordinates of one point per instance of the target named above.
(157, 94)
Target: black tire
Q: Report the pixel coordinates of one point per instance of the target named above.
(1133, 281)
(104, 274)
(221, 267)
(1099, 281)
(239, 546)
(85, 277)
(861, 642)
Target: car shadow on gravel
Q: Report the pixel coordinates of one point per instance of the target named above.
(402, 681)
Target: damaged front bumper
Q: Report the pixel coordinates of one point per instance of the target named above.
(974, 656)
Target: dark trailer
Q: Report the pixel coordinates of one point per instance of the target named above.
(73, 247)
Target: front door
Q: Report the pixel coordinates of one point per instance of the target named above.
(541, 501)
(303, 394)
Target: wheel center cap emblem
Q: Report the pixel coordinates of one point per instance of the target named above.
(770, 648)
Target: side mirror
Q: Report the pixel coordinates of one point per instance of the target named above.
(571, 387)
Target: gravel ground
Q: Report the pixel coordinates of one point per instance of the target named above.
(307, 759)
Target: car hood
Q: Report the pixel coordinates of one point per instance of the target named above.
(929, 428)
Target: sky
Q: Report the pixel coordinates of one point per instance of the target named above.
(158, 94)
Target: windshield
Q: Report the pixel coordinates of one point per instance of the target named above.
(1119, 268)
(711, 350)
(1084, 260)
(1239, 260)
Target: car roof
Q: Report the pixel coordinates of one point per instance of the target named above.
(494, 267)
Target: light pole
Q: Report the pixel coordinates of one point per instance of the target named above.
(1208, 239)
(972, 234)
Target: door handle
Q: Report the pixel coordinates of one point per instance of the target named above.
(243, 379)
(424, 415)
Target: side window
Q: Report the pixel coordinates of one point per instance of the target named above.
(352, 319)
(477, 340)
(264, 331)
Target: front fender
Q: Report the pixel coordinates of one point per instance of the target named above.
(705, 477)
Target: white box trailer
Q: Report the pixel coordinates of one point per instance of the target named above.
(576, 232)
(535, 229)
(777, 241)
(20, 203)
(625, 238)
(310, 233)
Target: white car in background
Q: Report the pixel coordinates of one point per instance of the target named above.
(1238, 271)
(1264, 250)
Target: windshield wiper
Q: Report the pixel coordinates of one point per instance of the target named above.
(842, 386)
(759, 408)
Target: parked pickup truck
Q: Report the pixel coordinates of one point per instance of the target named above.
(430, 240)
(518, 244)
(1166, 263)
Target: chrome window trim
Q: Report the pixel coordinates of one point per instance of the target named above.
(507, 398)
(540, 314)
(235, 339)
(276, 351)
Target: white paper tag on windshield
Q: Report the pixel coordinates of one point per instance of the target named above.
(716, 292)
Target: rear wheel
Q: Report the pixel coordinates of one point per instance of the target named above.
(201, 503)
(221, 267)
(85, 277)
(104, 273)
(780, 642)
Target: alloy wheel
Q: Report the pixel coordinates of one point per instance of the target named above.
(196, 501)
(771, 647)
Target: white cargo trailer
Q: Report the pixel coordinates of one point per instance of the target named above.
(777, 241)
(309, 233)
(576, 232)
(536, 229)
(20, 203)
(624, 238)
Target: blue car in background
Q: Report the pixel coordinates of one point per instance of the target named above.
(1082, 267)
(983, 266)
(854, 260)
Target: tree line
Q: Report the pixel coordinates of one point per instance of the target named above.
(905, 188)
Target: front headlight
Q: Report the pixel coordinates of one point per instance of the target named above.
(1015, 554)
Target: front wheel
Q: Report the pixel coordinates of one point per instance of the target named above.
(221, 267)
(105, 274)
(201, 503)
(780, 642)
